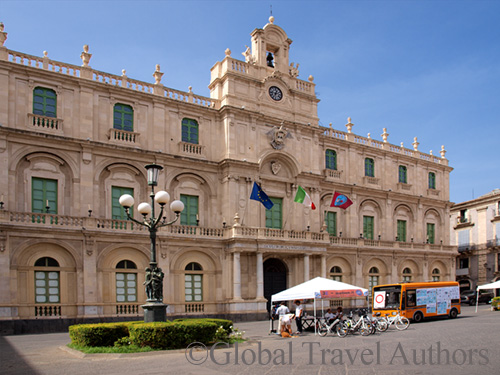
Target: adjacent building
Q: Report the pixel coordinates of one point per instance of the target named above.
(475, 229)
(73, 139)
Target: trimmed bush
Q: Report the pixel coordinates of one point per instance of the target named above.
(172, 335)
(226, 324)
(104, 334)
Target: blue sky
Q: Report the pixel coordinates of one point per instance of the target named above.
(423, 68)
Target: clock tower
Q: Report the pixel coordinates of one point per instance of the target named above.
(265, 81)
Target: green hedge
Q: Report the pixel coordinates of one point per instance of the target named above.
(226, 324)
(172, 335)
(103, 334)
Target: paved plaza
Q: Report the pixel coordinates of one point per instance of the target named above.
(468, 344)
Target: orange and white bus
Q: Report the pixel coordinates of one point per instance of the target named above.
(418, 301)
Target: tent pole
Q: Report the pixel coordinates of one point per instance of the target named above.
(477, 297)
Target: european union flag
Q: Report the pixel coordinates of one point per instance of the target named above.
(259, 195)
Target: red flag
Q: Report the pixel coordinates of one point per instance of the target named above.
(340, 200)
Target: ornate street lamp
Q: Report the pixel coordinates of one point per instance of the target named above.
(154, 309)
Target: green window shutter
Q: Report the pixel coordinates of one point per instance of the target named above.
(331, 223)
(369, 167)
(368, 227)
(43, 191)
(47, 287)
(189, 131)
(190, 213)
(403, 178)
(431, 233)
(401, 230)
(123, 117)
(117, 210)
(331, 159)
(274, 216)
(44, 102)
(193, 288)
(432, 180)
(126, 287)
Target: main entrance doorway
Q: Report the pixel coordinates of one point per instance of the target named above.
(274, 278)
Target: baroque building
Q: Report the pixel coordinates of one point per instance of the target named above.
(475, 229)
(74, 139)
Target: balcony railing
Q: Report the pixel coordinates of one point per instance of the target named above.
(322, 239)
(44, 123)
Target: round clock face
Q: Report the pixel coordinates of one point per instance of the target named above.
(275, 93)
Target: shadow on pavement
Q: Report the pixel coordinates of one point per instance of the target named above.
(11, 361)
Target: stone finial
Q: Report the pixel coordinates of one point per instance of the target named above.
(271, 20)
(369, 136)
(85, 56)
(228, 52)
(430, 152)
(402, 145)
(310, 79)
(236, 220)
(157, 75)
(384, 135)
(349, 125)
(3, 35)
(415, 144)
(190, 89)
(45, 54)
(442, 152)
(124, 73)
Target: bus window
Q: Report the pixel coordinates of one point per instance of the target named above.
(411, 298)
(391, 298)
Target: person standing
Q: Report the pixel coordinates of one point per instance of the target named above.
(298, 316)
(282, 310)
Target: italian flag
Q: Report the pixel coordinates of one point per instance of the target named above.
(304, 198)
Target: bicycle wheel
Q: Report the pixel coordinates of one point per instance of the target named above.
(365, 330)
(382, 326)
(323, 330)
(341, 330)
(402, 323)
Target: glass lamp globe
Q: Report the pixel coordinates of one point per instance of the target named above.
(177, 206)
(144, 208)
(126, 200)
(162, 197)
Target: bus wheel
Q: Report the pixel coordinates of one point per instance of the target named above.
(453, 313)
(418, 317)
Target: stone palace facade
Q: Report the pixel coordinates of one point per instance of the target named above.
(73, 139)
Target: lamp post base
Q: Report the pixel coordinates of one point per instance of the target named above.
(155, 312)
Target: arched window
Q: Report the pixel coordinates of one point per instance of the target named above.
(403, 174)
(373, 278)
(44, 102)
(193, 282)
(436, 274)
(47, 285)
(407, 275)
(123, 117)
(432, 180)
(331, 159)
(190, 131)
(336, 273)
(126, 281)
(369, 167)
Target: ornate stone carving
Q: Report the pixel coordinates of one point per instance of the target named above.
(275, 167)
(278, 136)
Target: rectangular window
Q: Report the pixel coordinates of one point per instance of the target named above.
(331, 159)
(46, 287)
(403, 175)
(401, 230)
(368, 227)
(274, 216)
(117, 210)
(126, 287)
(190, 214)
(463, 216)
(432, 180)
(431, 233)
(463, 239)
(497, 234)
(189, 131)
(43, 195)
(123, 117)
(44, 102)
(372, 281)
(369, 167)
(193, 288)
(463, 263)
(331, 222)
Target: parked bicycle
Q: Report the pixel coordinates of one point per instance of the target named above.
(400, 322)
(362, 325)
(337, 326)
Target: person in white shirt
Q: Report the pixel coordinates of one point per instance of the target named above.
(298, 316)
(329, 316)
(286, 325)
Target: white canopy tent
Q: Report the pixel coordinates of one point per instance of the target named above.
(495, 285)
(319, 288)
